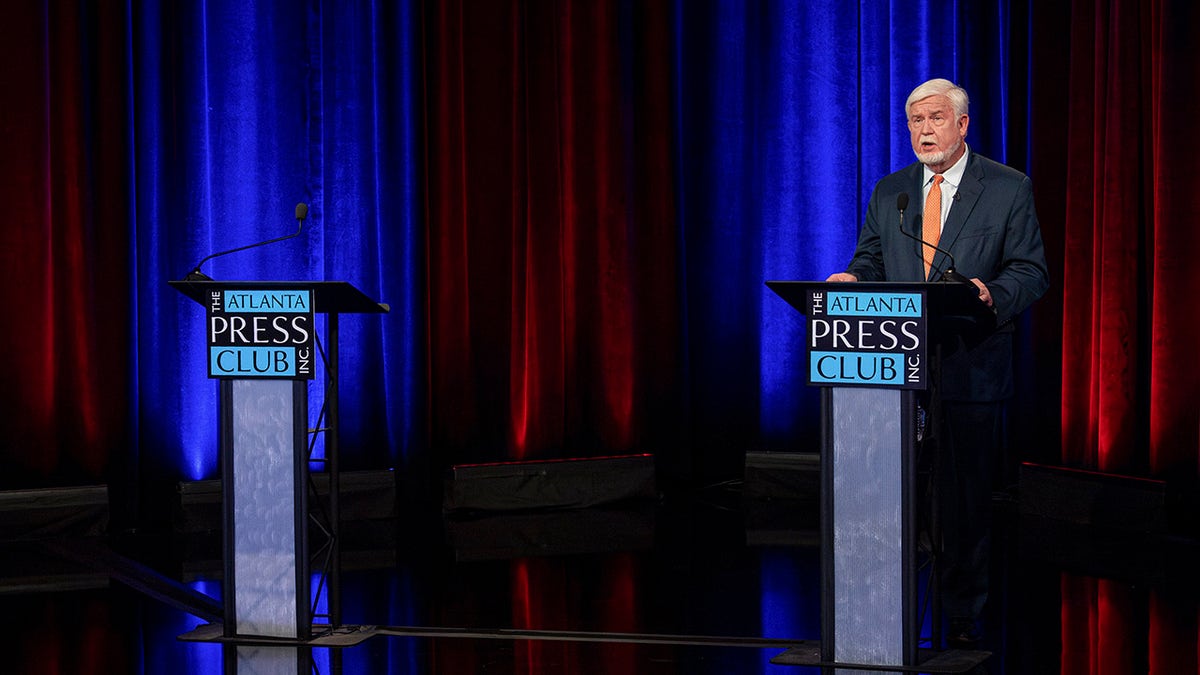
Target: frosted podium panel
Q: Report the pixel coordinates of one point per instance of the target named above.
(868, 558)
(264, 508)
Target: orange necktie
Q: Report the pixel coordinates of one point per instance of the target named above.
(931, 221)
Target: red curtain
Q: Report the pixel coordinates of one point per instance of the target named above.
(550, 240)
(1115, 141)
(1096, 634)
(64, 248)
(1131, 377)
(550, 595)
(1117, 627)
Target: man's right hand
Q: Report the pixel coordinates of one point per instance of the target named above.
(842, 276)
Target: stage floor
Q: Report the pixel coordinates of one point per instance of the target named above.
(705, 582)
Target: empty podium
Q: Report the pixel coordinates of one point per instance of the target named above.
(263, 346)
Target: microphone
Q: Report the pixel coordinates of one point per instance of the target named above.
(197, 275)
(950, 274)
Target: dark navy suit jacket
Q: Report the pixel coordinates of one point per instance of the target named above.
(993, 233)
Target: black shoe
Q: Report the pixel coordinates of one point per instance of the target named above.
(962, 634)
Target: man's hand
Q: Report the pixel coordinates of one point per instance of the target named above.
(984, 294)
(842, 276)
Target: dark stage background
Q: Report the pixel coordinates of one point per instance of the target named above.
(571, 208)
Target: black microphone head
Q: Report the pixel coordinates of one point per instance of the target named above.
(902, 201)
(197, 275)
(301, 211)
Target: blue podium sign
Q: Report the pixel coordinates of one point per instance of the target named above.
(869, 338)
(255, 334)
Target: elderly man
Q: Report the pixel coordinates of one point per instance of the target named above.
(982, 213)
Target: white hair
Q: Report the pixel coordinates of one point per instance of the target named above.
(938, 86)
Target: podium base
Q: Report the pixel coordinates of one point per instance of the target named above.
(323, 636)
(949, 661)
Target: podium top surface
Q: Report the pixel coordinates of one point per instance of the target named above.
(329, 297)
(947, 300)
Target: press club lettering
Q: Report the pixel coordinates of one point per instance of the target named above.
(867, 338)
(261, 334)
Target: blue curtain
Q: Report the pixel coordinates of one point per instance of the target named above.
(788, 112)
(240, 111)
(785, 113)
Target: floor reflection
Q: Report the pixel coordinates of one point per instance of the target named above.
(695, 586)
(258, 660)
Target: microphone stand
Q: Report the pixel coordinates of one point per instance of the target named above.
(951, 275)
(301, 213)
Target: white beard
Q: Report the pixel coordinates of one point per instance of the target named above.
(938, 156)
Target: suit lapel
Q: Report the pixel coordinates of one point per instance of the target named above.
(914, 264)
(965, 199)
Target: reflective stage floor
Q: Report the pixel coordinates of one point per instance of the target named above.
(707, 582)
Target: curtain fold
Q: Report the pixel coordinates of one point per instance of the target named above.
(536, 224)
(788, 115)
(63, 253)
(1173, 139)
(1132, 376)
(1100, 619)
(239, 111)
(571, 208)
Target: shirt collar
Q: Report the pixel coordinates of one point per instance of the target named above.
(954, 174)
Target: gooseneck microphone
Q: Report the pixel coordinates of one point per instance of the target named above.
(950, 274)
(197, 275)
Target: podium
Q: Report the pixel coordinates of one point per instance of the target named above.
(871, 346)
(263, 347)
